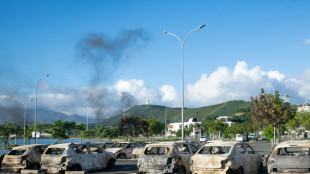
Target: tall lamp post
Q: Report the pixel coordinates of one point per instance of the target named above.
(35, 110)
(25, 106)
(182, 46)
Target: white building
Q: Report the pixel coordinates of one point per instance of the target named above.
(226, 119)
(174, 127)
(305, 107)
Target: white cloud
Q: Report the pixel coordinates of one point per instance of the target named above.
(307, 41)
(239, 83)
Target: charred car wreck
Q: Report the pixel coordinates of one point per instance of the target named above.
(290, 157)
(76, 157)
(166, 157)
(226, 157)
(23, 157)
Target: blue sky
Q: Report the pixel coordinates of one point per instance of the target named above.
(266, 40)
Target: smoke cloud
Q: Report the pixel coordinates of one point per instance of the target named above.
(10, 109)
(105, 55)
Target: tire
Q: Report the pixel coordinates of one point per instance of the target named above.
(240, 170)
(261, 168)
(122, 156)
(111, 164)
(35, 166)
(182, 170)
(76, 167)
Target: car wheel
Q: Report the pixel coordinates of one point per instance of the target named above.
(75, 167)
(122, 156)
(182, 170)
(111, 164)
(261, 168)
(35, 166)
(240, 170)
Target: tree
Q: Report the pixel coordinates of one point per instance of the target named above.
(60, 129)
(6, 130)
(133, 126)
(155, 127)
(79, 128)
(270, 109)
(216, 126)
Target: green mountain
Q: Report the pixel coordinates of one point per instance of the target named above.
(174, 114)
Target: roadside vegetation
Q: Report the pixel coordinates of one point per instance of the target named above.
(261, 114)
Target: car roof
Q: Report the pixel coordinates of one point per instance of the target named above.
(222, 143)
(28, 146)
(294, 143)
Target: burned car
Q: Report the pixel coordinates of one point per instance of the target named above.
(123, 150)
(104, 145)
(76, 157)
(290, 157)
(136, 152)
(226, 157)
(23, 157)
(166, 157)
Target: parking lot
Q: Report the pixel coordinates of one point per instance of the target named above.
(130, 165)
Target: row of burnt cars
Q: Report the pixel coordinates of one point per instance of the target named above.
(224, 157)
(229, 157)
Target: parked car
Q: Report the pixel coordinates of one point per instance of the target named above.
(76, 157)
(204, 138)
(226, 157)
(166, 157)
(123, 150)
(2, 153)
(136, 152)
(104, 145)
(289, 157)
(253, 137)
(23, 157)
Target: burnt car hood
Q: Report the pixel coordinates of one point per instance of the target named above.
(208, 161)
(292, 161)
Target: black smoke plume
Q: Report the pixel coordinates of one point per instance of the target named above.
(11, 109)
(105, 54)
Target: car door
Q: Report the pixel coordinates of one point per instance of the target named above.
(185, 153)
(255, 158)
(84, 156)
(98, 157)
(246, 162)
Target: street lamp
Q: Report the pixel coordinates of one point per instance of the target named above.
(25, 106)
(182, 46)
(35, 110)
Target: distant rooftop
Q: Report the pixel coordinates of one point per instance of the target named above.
(305, 107)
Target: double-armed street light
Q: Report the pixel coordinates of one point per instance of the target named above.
(35, 112)
(182, 47)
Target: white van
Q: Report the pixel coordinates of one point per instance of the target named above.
(239, 137)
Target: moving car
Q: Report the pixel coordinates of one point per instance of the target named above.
(166, 157)
(290, 157)
(226, 157)
(123, 150)
(76, 157)
(23, 157)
